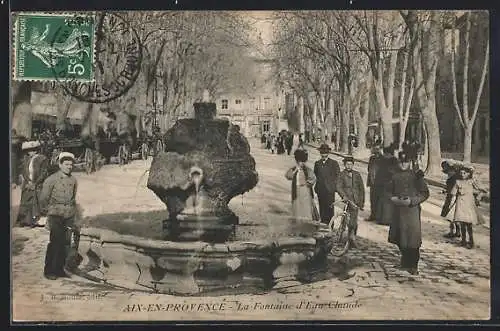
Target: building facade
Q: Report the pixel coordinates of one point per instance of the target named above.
(257, 109)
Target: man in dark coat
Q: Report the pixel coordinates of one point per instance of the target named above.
(387, 165)
(35, 169)
(370, 181)
(407, 190)
(327, 172)
(289, 142)
(351, 188)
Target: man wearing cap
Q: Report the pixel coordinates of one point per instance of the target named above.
(351, 189)
(58, 198)
(327, 172)
(34, 171)
(407, 190)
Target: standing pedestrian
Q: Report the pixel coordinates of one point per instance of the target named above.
(303, 180)
(447, 210)
(386, 166)
(59, 201)
(352, 190)
(326, 171)
(373, 164)
(301, 141)
(274, 144)
(407, 191)
(35, 169)
(289, 142)
(465, 206)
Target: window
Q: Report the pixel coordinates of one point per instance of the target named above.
(224, 104)
(237, 101)
(266, 103)
(252, 104)
(266, 126)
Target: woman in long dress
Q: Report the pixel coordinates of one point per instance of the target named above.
(303, 180)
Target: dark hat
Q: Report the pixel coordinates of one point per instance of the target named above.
(324, 148)
(300, 155)
(403, 157)
(348, 159)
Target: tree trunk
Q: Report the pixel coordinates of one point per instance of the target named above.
(22, 110)
(425, 56)
(363, 121)
(385, 114)
(433, 139)
(468, 144)
(89, 122)
(345, 123)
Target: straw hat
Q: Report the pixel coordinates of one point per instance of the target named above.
(27, 145)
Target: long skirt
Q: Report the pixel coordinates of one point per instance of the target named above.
(29, 209)
(303, 206)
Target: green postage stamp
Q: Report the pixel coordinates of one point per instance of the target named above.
(54, 47)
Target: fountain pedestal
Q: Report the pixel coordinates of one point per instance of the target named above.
(224, 167)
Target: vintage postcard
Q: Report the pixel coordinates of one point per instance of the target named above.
(258, 165)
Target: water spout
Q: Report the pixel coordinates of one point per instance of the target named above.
(196, 175)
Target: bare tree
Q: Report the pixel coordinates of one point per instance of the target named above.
(382, 40)
(424, 29)
(362, 109)
(405, 102)
(467, 116)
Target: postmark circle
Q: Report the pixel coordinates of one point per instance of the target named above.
(116, 62)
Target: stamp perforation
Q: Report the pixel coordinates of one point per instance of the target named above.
(62, 14)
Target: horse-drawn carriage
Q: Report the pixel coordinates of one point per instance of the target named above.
(129, 146)
(118, 141)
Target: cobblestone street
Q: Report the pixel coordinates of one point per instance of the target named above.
(454, 283)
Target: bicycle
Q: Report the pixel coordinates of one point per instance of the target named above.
(339, 226)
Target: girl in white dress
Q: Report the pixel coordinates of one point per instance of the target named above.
(465, 208)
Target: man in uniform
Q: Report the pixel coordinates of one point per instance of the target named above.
(58, 198)
(407, 190)
(35, 169)
(326, 171)
(351, 188)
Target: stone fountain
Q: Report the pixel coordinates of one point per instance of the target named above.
(207, 162)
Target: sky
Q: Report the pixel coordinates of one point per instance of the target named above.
(262, 22)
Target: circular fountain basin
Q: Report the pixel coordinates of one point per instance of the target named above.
(256, 258)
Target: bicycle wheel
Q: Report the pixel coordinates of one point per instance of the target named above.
(340, 238)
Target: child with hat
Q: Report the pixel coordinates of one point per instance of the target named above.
(350, 187)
